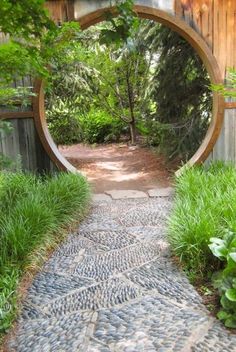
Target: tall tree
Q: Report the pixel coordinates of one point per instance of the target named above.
(122, 79)
(180, 90)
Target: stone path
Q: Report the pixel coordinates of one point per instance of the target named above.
(112, 287)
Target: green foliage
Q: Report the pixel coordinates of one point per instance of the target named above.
(69, 93)
(180, 139)
(41, 41)
(179, 89)
(63, 123)
(8, 299)
(205, 206)
(123, 77)
(225, 280)
(24, 18)
(33, 212)
(99, 127)
(120, 30)
(228, 90)
(28, 21)
(16, 61)
(110, 78)
(11, 97)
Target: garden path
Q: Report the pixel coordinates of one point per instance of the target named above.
(112, 287)
(119, 166)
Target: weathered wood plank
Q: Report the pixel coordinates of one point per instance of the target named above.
(215, 21)
(23, 143)
(61, 10)
(16, 114)
(225, 147)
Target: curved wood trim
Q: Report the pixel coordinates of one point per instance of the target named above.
(42, 129)
(194, 40)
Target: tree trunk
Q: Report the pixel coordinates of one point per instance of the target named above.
(133, 133)
(132, 124)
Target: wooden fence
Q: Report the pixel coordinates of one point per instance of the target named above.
(213, 20)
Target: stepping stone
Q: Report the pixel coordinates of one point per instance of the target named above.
(125, 194)
(101, 198)
(161, 192)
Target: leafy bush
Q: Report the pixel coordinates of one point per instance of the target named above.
(63, 123)
(205, 206)
(225, 280)
(98, 127)
(33, 212)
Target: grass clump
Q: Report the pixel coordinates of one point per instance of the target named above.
(33, 213)
(205, 207)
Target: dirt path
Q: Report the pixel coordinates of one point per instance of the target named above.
(118, 166)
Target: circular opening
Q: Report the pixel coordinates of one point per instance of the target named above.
(194, 40)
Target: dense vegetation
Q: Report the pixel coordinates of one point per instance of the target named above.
(127, 69)
(180, 90)
(203, 229)
(33, 213)
(153, 83)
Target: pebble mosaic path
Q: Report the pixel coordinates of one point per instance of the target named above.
(112, 287)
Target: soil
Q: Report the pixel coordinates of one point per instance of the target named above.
(120, 166)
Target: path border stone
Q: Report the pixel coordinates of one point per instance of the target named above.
(126, 194)
(161, 192)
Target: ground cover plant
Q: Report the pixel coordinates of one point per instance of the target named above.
(33, 213)
(225, 280)
(202, 229)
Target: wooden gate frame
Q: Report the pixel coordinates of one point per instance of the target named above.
(194, 39)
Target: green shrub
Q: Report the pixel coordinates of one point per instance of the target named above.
(205, 206)
(33, 213)
(225, 280)
(63, 123)
(99, 127)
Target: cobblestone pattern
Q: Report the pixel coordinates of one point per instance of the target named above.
(217, 340)
(152, 324)
(112, 287)
(112, 239)
(163, 277)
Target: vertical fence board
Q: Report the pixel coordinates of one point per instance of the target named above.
(61, 10)
(215, 21)
(23, 143)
